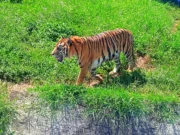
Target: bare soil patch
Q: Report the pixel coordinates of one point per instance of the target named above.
(144, 61)
(18, 91)
(175, 26)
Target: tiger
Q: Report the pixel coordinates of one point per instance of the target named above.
(92, 51)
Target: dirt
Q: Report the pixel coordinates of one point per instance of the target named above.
(144, 61)
(18, 91)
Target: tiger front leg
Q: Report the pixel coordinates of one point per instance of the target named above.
(82, 75)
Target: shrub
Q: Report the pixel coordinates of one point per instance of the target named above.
(16, 1)
(55, 31)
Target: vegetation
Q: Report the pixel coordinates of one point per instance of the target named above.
(110, 102)
(6, 110)
(30, 29)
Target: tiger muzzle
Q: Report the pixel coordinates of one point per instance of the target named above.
(58, 57)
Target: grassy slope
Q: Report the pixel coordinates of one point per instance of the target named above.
(29, 31)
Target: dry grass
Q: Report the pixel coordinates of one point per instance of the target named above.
(144, 62)
(18, 91)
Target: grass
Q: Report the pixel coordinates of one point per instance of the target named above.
(30, 29)
(108, 102)
(7, 112)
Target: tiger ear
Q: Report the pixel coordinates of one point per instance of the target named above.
(69, 41)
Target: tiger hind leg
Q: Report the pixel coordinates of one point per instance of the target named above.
(116, 69)
(131, 63)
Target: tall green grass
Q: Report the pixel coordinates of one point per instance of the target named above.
(108, 102)
(29, 31)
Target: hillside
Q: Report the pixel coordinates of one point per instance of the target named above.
(29, 31)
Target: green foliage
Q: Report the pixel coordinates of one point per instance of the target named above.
(16, 1)
(12, 1)
(6, 110)
(58, 95)
(55, 31)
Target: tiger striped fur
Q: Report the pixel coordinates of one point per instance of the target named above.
(94, 50)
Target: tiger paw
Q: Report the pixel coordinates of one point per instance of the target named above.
(129, 70)
(94, 83)
(96, 80)
(99, 78)
(114, 74)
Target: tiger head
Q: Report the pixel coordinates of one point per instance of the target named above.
(66, 47)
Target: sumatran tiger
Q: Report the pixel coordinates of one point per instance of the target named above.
(92, 51)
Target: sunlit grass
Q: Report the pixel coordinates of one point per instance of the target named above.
(29, 31)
